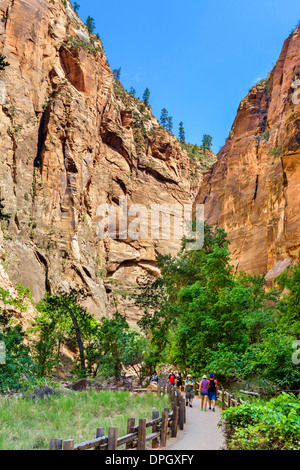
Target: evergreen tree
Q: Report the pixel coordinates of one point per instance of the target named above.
(132, 91)
(170, 124)
(181, 132)
(90, 24)
(76, 7)
(3, 214)
(117, 73)
(164, 118)
(146, 96)
(206, 142)
(3, 63)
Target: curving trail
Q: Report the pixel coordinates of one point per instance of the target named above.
(201, 431)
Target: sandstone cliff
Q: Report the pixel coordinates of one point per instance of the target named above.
(253, 189)
(72, 139)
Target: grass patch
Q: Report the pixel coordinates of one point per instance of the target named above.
(30, 424)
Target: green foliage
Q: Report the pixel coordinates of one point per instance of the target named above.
(62, 320)
(76, 7)
(90, 24)
(181, 134)
(76, 43)
(30, 424)
(203, 317)
(265, 136)
(206, 142)
(114, 345)
(276, 152)
(18, 363)
(146, 97)
(103, 347)
(164, 117)
(273, 426)
(289, 304)
(132, 91)
(3, 214)
(170, 124)
(117, 73)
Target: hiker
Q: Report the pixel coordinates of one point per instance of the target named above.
(154, 377)
(179, 381)
(212, 391)
(203, 392)
(189, 390)
(172, 379)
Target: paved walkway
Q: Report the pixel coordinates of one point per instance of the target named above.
(201, 431)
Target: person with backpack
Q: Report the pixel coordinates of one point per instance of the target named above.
(172, 378)
(212, 391)
(189, 390)
(203, 388)
(179, 381)
(154, 377)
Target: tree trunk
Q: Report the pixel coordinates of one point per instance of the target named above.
(79, 342)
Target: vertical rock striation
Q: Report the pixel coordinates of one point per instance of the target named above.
(73, 139)
(253, 191)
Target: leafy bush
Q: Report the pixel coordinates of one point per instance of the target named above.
(18, 363)
(273, 426)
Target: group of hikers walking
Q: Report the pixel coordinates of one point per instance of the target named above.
(208, 388)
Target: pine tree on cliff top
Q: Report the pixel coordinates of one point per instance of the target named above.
(90, 24)
(164, 117)
(181, 132)
(146, 97)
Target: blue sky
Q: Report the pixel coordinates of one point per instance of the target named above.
(198, 58)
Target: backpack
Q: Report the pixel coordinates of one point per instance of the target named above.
(212, 385)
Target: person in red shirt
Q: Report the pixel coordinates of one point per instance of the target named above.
(172, 378)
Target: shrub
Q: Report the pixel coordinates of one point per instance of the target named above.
(272, 426)
(3, 63)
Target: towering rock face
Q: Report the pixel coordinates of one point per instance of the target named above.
(253, 190)
(72, 140)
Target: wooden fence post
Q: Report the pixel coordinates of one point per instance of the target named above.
(112, 438)
(174, 421)
(181, 413)
(141, 445)
(130, 424)
(228, 400)
(164, 429)
(99, 433)
(55, 444)
(68, 444)
(155, 442)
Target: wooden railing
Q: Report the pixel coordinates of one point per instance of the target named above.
(227, 399)
(136, 437)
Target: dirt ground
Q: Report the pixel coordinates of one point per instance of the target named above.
(201, 430)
